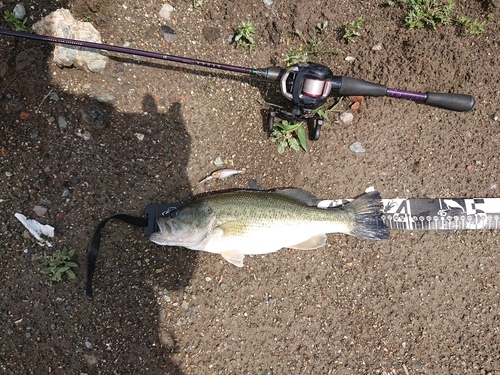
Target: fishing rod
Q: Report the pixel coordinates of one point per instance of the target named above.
(306, 85)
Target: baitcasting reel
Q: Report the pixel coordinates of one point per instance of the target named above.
(308, 85)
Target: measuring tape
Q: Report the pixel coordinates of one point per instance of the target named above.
(435, 214)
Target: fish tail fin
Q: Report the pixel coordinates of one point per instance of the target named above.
(367, 210)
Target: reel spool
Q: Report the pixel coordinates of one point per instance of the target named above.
(307, 86)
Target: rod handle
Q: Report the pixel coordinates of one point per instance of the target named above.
(454, 102)
(346, 86)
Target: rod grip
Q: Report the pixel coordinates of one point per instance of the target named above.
(454, 102)
(353, 86)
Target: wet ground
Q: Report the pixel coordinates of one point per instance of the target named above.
(417, 303)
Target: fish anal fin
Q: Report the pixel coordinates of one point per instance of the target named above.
(234, 257)
(312, 243)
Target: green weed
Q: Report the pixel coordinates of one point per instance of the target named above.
(313, 45)
(295, 56)
(352, 29)
(288, 134)
(17, 23)
(427, 13)
(58, 264)
(471, 27)
(244, 35)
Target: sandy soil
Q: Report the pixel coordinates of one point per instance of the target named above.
(417, 303)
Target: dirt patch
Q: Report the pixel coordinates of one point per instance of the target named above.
(416, 303)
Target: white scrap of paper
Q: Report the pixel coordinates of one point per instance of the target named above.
(36, 229)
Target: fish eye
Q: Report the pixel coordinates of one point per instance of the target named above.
(173, 214)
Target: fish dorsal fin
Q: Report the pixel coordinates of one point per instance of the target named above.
(312, 243)
(234, 257)
(301, 195)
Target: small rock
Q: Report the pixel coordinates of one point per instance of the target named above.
(65, 193)
(85, 135)
(88, 344)
(19, 11)
(268, 3)
(181, 321)
(105, 98)
(62, 122)
(350, 59)
(377, 47)
(168, 33)
(346, 117)
(494, 117)
(223, 286)
(40, 210)
(53, 96)
(93, 115)
(208, 279)
(218, 162)
(139, 136)
(34, 134)
(184, 305)
(357, 147)
(166, 11)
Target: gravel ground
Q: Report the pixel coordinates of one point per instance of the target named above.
(417, 303)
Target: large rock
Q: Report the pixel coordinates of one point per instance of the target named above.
(61, 23)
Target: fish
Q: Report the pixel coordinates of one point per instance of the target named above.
(246, 222)
(221, 174)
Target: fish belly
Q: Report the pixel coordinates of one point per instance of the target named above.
(263, 239)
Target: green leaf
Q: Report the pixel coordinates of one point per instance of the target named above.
(70, 274)
(281, 147)
(71, 264)
(302, 137)
(294, 145)
(47, 270)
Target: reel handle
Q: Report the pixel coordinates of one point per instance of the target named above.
(346, 86)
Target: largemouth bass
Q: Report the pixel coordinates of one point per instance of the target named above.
(240, 223)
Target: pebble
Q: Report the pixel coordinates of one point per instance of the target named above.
(181, 321)
(19, 11)
(357, 147)
(184, 305)
(168, 33)
(218, 162)
(62, 122)
(494, 117)
(268, 2)
(223, 286)
(350, 59)
(34, 134)
(208, 279)
(88, 344)
(377, 47)
(53, 96)
(40, 210)
(65, 193)
(93, 115)
(165, 11)
(346, 117)
(105, 98)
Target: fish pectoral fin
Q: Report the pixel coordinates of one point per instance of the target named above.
(312, 243)
(233, 256)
